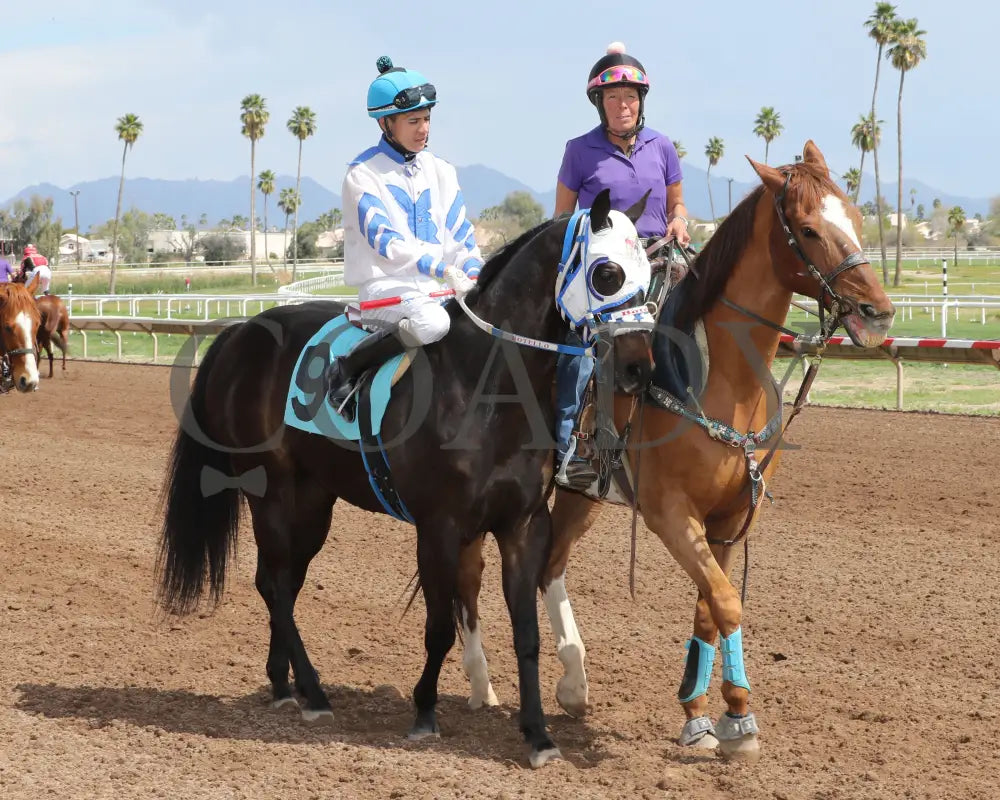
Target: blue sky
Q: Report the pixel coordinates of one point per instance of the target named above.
(510, 79)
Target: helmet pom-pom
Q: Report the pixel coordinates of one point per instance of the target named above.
(384, 64)
(616, 48)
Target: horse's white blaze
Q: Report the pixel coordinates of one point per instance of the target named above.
(474, 662)
(572, 689)
(23, 321)
(835, 212)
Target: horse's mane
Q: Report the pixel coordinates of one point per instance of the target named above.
(502, 257)
(716, 261)
(17, 299)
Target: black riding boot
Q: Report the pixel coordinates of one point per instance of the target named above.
(343, 373)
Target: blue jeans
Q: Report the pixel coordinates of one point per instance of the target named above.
(572, 375)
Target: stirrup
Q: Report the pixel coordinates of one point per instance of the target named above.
(341, 391)
(576, 474)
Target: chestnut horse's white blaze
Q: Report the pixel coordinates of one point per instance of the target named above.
(572, 689)
(835, 212)
(23, 323)
(474, 663)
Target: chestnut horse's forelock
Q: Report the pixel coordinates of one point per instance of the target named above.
(14, 299)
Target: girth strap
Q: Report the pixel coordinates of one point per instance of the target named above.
(374, 457)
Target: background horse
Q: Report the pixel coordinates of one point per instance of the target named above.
(53, 327)
(474, 462)
(693, 489)
(18, 328)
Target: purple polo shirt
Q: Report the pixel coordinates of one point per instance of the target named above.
(7, 272)
(591, 163)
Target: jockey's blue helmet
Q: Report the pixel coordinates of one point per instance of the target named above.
(397, 90)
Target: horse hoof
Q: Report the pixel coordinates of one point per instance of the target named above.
(425, 727)
(573, 699)
(318, 718)
(539, 758)
(746, 748)
(698, 733)
(738, 737)
(284, 702)
(420, 732)
(477, 701)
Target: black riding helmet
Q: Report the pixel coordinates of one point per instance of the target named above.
(618, 68)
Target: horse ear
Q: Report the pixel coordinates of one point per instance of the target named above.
(772, 178)
(599, 211)
(31, 287)
(812, 155)
(636, 210)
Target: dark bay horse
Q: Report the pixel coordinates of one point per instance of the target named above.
(473, 462)
(18, 328)
(53, 327)
(693, 489)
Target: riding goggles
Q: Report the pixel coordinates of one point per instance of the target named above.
(620, 74)
(408, 98)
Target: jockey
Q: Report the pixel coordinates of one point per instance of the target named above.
(36, 264)
(623, 155)
(405, 229)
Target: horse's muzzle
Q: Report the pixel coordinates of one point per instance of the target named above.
(633, 361)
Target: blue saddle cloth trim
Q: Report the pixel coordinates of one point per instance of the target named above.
(307, 407)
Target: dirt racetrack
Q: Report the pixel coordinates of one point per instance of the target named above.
(871, 643)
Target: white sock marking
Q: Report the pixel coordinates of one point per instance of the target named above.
(474, 662)
(572, 687)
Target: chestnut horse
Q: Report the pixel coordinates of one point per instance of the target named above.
(798, 232)
(54, 327)
(18, 328)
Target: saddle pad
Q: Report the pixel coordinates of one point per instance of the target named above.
(307, 407)
(680, 356)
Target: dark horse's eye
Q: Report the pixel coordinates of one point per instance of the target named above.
(608, 279)
(809, 233)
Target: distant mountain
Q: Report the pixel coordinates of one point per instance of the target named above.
(482, 187)
(925, 196)
(216, 199)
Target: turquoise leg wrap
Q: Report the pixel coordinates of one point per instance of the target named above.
(697, 669)
(732, 659)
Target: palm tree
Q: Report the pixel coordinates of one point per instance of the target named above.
(330, 220)
(288, 201)
(853, 179)
(302, 125)
(768, 127)
(879, 26)
(265, 182)
(253, 116)
(865, 135)
(128, 129)
(714, 150)
(681, 152)
(956, 224)
(907, 51)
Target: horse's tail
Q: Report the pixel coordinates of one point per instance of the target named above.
(61, 335)
(199, 528)
(61, 342)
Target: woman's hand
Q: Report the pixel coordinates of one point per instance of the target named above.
(678, 228)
